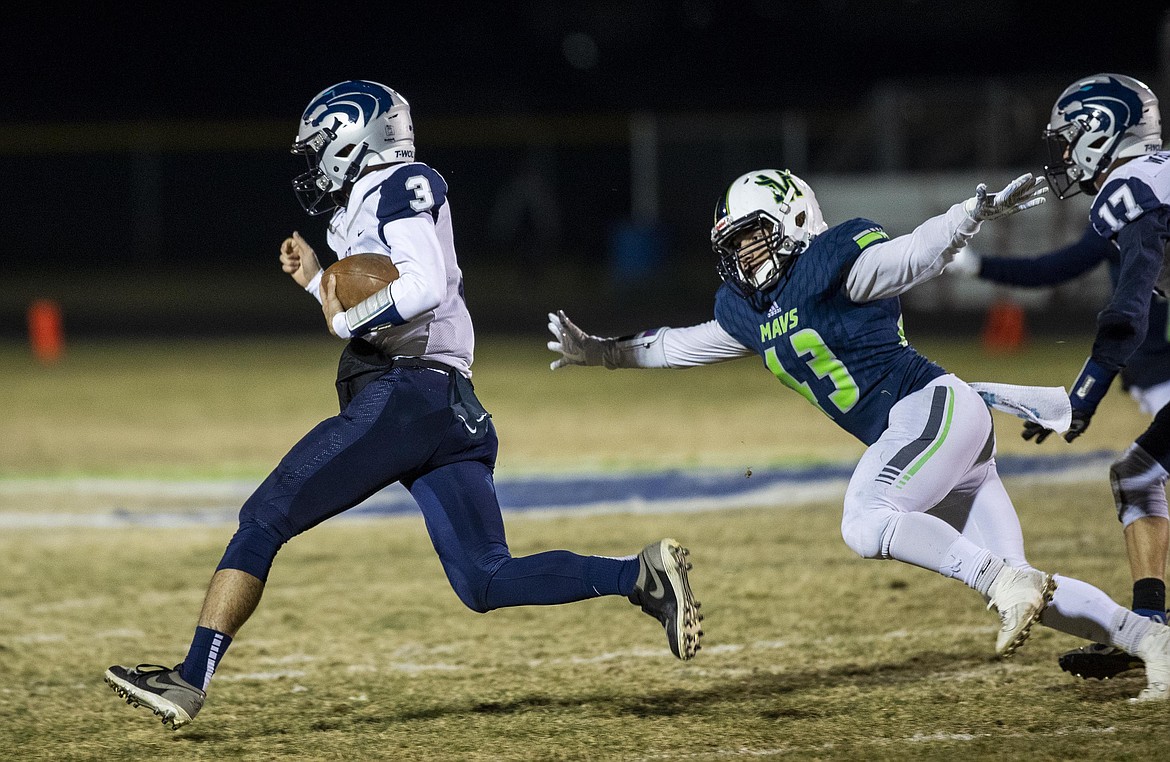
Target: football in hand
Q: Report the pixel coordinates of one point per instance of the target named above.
(359, 276)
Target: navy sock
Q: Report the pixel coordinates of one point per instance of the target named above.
(611, 576)
(207, 648)
(1149, 598)
(628, 577)
(1150, 595)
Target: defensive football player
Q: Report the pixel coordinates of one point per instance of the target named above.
(820, 306)
(408, 412)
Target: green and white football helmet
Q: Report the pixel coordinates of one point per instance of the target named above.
(763, 221)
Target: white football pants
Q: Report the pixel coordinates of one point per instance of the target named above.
(927, 493)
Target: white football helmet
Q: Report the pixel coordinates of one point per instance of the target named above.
(344, 129)
(764, 220)
(1096, 121)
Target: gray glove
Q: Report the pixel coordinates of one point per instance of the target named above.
(1022, 193)
(576, 346)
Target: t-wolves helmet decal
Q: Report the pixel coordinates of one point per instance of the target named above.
(778, 205)
(345, 128)
(1096, 121)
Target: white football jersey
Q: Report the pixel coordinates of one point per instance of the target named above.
(1134, 188)
(402, 211)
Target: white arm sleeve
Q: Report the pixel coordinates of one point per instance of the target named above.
(314, 286)
(422, 278)
(702, 344)
(893, 267)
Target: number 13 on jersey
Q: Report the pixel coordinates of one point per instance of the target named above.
(810, 347)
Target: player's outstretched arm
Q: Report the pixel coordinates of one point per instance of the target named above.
(689, 347)
(892, 267)
(298, 259)
(1036, 271)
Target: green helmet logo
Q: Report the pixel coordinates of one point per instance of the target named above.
(781, 185)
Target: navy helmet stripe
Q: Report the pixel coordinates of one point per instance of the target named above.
(355, 99)
(1121, 102)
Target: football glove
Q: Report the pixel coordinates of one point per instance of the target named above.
(1080, 422)
(576, 346)
(1022, 193)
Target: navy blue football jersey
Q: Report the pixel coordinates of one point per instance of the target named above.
(850, 360)
(1133, 209)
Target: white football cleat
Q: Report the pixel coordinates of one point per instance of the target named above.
(1019, 597)
(1155, 651)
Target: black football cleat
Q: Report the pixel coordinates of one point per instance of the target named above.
(159, 689)
(664, 592)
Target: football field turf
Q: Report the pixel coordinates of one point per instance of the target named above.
(361, 651)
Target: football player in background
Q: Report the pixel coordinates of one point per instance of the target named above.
(1139, 494)
(1104, 137)
(408, 412)
(820, 305)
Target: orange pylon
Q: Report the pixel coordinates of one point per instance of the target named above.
(1004, 330)
(46, 330)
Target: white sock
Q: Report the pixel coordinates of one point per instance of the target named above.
(1079, 609)
(930, 542)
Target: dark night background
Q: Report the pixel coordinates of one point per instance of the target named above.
(147, 176)
(266, 59)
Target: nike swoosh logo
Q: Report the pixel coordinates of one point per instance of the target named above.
(472, 429)
(155, 682)
(654, 588)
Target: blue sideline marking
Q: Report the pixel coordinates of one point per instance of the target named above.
(543, 492)
(660, 491)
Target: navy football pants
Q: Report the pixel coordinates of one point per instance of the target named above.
(425, 428)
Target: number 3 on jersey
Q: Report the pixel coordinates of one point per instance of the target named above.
(807, 343)
(423, 198)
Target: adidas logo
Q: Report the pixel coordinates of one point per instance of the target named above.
(774, 310)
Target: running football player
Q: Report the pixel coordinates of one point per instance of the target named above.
(408, 412)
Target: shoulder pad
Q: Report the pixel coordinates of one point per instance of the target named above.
(410, 190)
(1122, 200)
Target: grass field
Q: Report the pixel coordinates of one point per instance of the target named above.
(361, 651)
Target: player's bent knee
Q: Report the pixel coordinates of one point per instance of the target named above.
(1139, 486)
(252, 550)
(863, 534)
(474, 595)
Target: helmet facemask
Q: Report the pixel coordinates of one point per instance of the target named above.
(315, 189)
(754, 252)
(1077, 156)
(1065, 176)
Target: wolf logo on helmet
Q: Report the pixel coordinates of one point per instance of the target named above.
(763, 221)
(344, 129)
(1096, 121)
